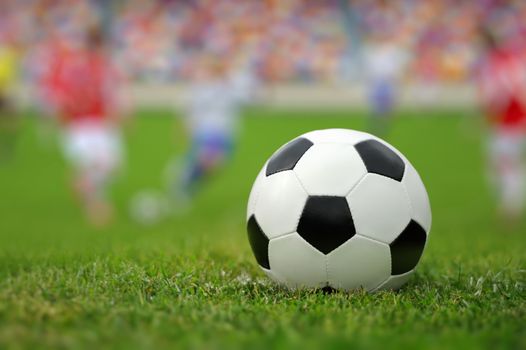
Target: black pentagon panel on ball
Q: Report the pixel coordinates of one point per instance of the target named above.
(326, 223)
(258, 241)
(287, 157)
(380, 159)
(407, 248)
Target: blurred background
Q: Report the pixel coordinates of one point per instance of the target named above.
(127, 115)
(302, 42)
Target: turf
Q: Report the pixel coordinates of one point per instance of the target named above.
(193, 282)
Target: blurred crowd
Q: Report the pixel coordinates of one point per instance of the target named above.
(285, 40)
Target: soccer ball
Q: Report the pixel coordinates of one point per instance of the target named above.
(149, 207)
(341, 209)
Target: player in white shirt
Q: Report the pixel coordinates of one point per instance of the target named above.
(385, 62)
(212, 120)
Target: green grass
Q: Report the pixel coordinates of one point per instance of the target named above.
(192, 281)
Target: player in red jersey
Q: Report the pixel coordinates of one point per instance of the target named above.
(82, 87)
(502, 88)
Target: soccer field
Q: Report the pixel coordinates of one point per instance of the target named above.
(192, 281)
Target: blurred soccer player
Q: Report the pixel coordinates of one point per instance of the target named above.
(212, 122)
(83, 86)
(8, 120)
(384, 61)
(502, 86)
